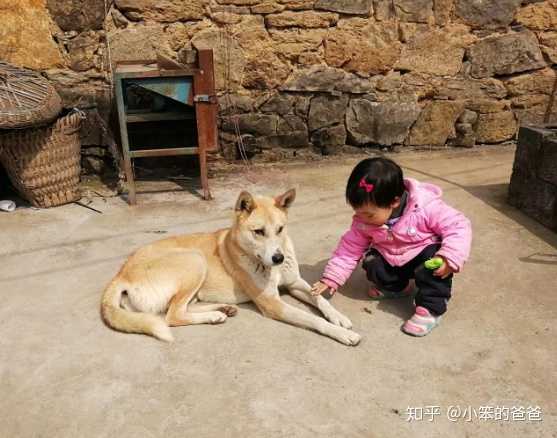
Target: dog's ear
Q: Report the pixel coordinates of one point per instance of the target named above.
(245, 203)
(285, 200)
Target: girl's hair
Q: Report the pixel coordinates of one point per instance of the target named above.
(374, 180)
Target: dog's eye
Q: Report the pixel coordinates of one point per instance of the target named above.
(280, 230)
(260, 232)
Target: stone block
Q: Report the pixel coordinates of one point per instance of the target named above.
(382, 123)
(356, 7)
(326, 110)
(487, 13)
(505, 54)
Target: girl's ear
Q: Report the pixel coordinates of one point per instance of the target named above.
(396, 202)
(285, 200)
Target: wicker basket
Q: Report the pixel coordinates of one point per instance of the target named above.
(26, 98)
(44, 163)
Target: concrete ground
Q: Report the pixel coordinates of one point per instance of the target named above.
(64, 374)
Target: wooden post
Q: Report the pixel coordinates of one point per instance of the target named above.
(206, 113)
(125, 141)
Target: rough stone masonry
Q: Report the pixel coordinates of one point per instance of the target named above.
(313, 73)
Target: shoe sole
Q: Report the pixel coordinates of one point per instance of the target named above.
(420, 335)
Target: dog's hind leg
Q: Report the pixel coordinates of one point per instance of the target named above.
(302, 291)
(197, 307)
(179, 313)
(183, 313)
(190, 318)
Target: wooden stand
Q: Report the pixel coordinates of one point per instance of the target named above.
(194, 86)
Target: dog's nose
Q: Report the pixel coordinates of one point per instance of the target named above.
(278, 258)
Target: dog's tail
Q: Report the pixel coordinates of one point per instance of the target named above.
(127, 321)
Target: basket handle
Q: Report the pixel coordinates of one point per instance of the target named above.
(72, 122)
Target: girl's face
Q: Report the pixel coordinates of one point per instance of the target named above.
(374, 215)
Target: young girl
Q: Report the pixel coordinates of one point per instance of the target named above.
(400, 223)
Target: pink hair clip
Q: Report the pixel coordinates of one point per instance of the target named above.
(367, 186)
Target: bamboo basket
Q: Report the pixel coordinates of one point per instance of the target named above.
(43, 164)
(26, 98)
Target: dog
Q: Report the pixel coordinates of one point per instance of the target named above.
(197, 278)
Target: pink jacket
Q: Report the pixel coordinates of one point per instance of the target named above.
(426, 220)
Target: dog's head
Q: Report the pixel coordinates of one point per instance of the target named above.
(260, 226)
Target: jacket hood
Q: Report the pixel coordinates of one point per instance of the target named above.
(420, 194)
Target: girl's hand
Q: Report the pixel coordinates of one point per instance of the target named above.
(445, 270)
(320, 287)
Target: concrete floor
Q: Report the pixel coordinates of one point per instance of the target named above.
(64, 374)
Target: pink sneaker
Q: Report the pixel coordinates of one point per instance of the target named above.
(421, 323)
(377, 294)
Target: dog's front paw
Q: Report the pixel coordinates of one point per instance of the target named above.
(350, 338)
(337, 318)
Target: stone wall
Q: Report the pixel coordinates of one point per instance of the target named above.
(313, 73)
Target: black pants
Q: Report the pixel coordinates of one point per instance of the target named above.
(433, 292)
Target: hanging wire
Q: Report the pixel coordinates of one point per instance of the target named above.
(225, 37)
(108, 135)
(108, 50)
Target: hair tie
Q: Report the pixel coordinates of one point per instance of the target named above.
(367, 186)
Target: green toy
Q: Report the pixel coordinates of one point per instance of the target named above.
(434, 263)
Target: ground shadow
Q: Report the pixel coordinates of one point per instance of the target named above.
(8, 191)
(356, 289)
(189, 184)
(496, 196)
(540, 259)
(248, 306)
(181, 171)
(252, 307)
(110, 180)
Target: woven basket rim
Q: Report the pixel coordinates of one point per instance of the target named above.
(26, 98)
